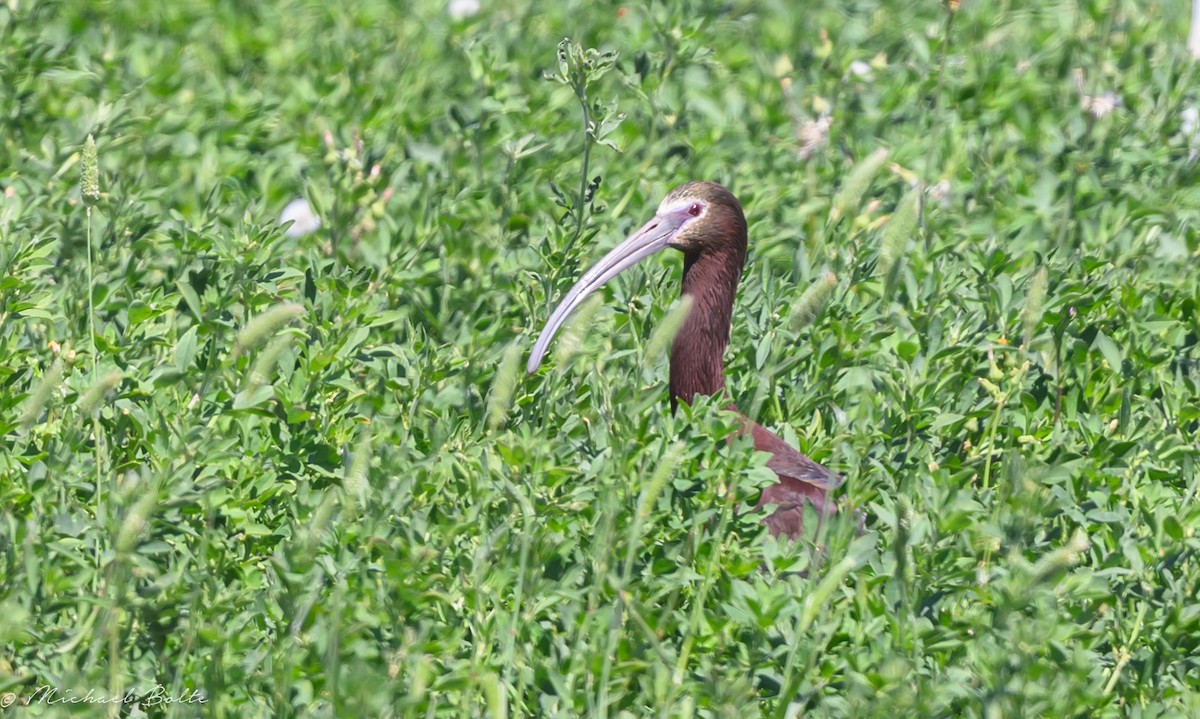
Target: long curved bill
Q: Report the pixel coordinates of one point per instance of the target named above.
(652, 237)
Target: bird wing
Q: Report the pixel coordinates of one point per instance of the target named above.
(786, 461)
(801, 481)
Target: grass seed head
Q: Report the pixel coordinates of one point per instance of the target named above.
(355, 481)
(135, 520)
(857, 183)
(266, 325)
(896, 234)
(1031, 313)
(665, 333)
(98, 391)
(812, 301)
(1062, 558)
(89, 185)
(568, 343)
(503, 385)
(37, 400)
(658, 481)
(267, 360)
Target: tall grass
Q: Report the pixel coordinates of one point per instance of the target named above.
(300, 474)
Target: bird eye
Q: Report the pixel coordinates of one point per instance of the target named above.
(695, 209)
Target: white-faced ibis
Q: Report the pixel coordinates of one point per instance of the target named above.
(705, 222)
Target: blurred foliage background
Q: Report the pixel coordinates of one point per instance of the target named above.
(302, 474)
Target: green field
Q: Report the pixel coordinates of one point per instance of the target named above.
(307, 475)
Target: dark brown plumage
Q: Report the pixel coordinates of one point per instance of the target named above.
(705, 222)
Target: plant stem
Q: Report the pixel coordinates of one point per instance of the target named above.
(931, 158)
(97, 436)
(581, 203)
(991, 443)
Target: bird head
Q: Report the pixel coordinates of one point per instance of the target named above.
(695, 218)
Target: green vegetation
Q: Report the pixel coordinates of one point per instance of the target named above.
(307, 475)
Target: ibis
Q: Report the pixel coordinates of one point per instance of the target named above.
(705, 222)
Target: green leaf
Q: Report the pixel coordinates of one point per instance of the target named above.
(185, 349)
(253, 396)
(189, 297)
(1110, 351)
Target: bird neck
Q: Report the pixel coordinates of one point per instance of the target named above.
(697, 354)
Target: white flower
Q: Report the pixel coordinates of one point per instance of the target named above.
(1191, 123)
(462, 9)
(1190, 127)
(300, 214)
(940, 192)
(813, 135)
(860, 69)
(1194, 34)
(1100, 105)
